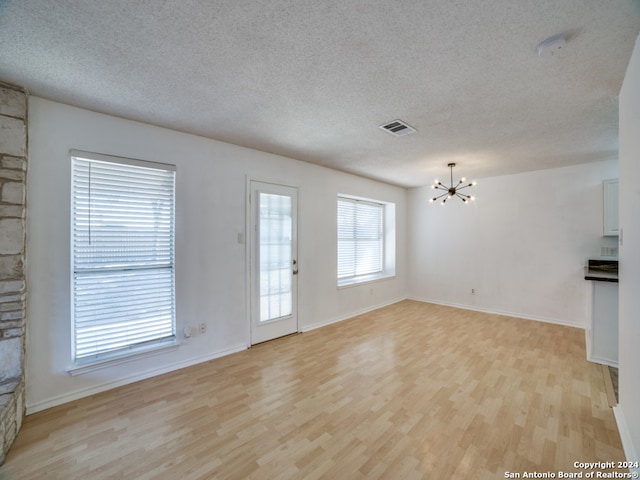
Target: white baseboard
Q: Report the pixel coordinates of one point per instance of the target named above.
(556, 321)
(602, 361)
(625, 437)
(314, 326)
(77, 394)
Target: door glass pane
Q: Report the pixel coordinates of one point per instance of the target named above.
(275, 256)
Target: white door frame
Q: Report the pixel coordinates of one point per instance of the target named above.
(259, 332)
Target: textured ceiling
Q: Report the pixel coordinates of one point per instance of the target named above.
(313, 79)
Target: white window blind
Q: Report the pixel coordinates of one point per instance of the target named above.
(360, 239)
(123, 255)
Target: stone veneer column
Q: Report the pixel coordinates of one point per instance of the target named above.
(13, 169)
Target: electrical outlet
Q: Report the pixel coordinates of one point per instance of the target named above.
(473, 291)
(203, 328)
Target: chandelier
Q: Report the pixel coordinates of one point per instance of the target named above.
(452, 190)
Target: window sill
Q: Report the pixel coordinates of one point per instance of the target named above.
(354, 282)
(88, 366)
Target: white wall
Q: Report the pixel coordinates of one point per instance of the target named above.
(211, 267)
(521, 245)
(628, 411)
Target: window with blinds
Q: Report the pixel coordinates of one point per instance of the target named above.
(360, 240)
(123, 255)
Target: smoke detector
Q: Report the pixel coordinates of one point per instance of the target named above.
(552, 45)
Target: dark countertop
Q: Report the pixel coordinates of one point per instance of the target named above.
(602, 271)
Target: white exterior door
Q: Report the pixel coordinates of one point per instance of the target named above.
(273, 261)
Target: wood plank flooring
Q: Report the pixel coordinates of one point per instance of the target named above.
(409, 391)
(609, 388)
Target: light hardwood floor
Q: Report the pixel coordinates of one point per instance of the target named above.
(410, 391)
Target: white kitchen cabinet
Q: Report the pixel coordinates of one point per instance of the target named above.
(603, 333)
(610, 207)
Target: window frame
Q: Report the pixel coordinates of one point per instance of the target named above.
(387, 247)
(134, 349)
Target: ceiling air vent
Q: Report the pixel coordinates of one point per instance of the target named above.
(398, 128)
